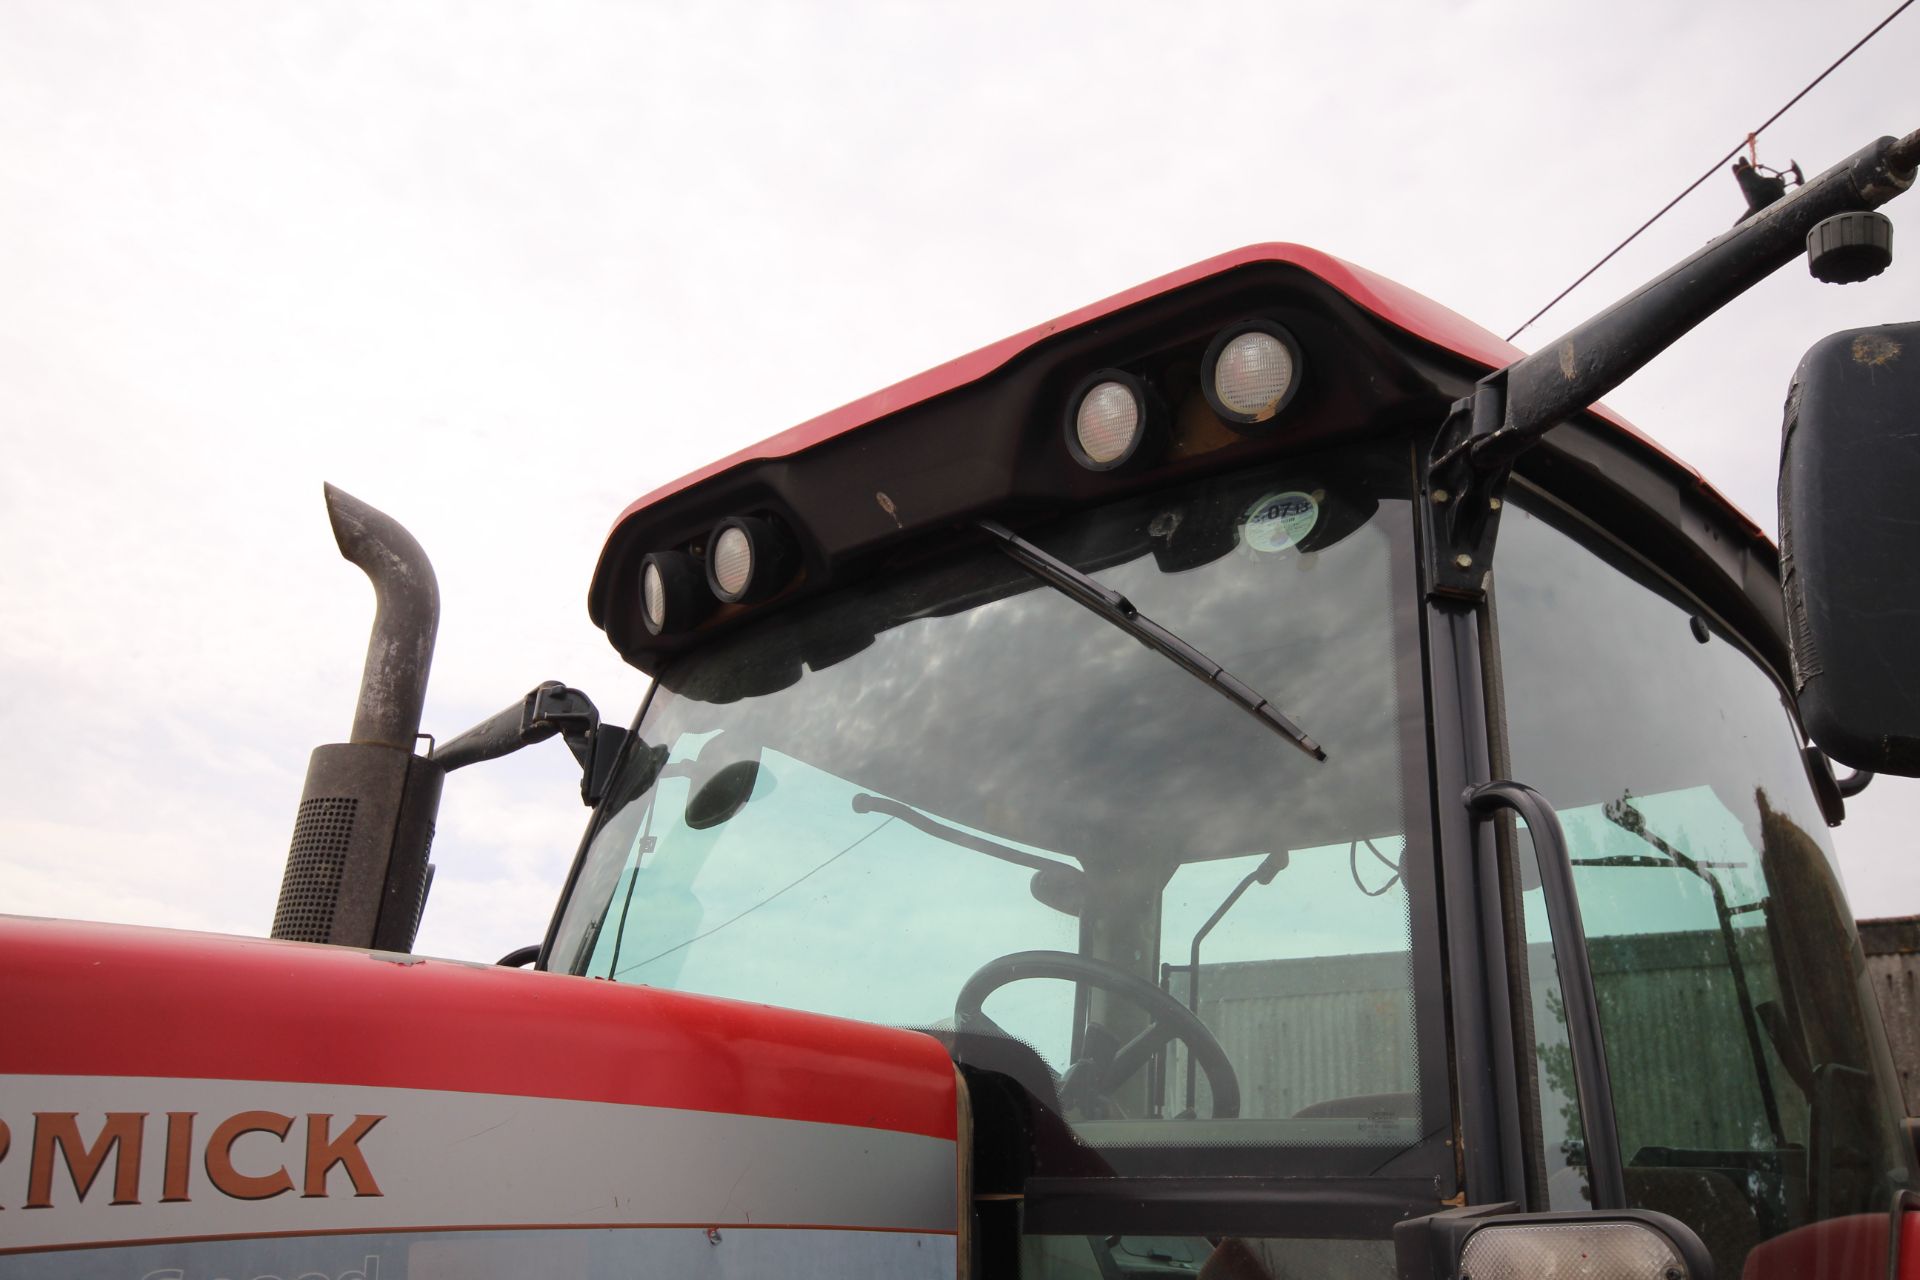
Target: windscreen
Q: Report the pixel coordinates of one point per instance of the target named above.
(953, 798)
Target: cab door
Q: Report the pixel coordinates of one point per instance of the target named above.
(1749, 1076)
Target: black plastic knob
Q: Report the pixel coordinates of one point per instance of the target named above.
(1850, 247)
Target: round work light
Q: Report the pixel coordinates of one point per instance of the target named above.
(1251, 371)
(653, 596)
(748, 559)
(673, 595)
(730, 562)
(1112, 420)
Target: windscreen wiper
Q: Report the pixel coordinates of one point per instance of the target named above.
(1119, 610)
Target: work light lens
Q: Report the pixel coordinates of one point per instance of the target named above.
(750, 559)
(653, 597)
(1108, 421)
(1253, 374)
(1622, 1250)
(732, 559)
(673, 593)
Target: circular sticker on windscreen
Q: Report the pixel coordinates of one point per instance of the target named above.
(1280, 520)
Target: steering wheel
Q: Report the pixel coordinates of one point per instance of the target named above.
(1105, 1063)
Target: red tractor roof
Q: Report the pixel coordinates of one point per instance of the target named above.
(1398, 305)
(927, 457)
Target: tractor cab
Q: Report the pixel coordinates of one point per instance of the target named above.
(1095, 708)
(1271, 780)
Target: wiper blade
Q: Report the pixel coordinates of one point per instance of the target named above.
(1119, 611)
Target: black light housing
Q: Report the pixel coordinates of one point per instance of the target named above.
(673, 593)
(1196, 533)
(1095, 422)
(1245, 409)
(748, 559)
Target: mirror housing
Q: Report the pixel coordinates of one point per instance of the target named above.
(724, 793)
(1850, 545)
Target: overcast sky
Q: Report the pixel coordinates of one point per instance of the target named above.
(501, 268)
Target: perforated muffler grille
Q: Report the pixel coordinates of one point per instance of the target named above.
(322, 834)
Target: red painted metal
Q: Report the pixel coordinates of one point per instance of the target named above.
(120, 1000)
(1396, 304)
(1853, 1247)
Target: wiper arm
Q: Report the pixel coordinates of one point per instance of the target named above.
(1119, 611)
(866, 802)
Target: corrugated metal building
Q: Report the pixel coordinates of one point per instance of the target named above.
(1305, 1032)
(1893, 961)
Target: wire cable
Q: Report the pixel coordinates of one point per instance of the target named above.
(1712, 169)
(642, 845)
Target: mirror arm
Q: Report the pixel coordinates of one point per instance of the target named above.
(549, 708)
(1263, 873)
(1512, 408)
(1568, 375)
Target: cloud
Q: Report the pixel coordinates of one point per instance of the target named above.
(500, 274)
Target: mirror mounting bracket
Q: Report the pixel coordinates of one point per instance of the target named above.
(1512, 408)
(1462, 494)
(550, 708)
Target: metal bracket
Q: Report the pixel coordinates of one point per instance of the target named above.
(554, 708)
(1463, 493)
(1511, 409)
(550, 708)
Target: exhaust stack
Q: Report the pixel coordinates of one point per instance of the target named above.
(357, 871)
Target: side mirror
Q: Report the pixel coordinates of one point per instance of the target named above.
(1850, 545)
(722, 795)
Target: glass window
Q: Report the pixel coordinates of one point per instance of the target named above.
(1168, 1257)
(728, 909)
(1555, 1102)
(867, 803)
(1750, 1083)
(1296, 982)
